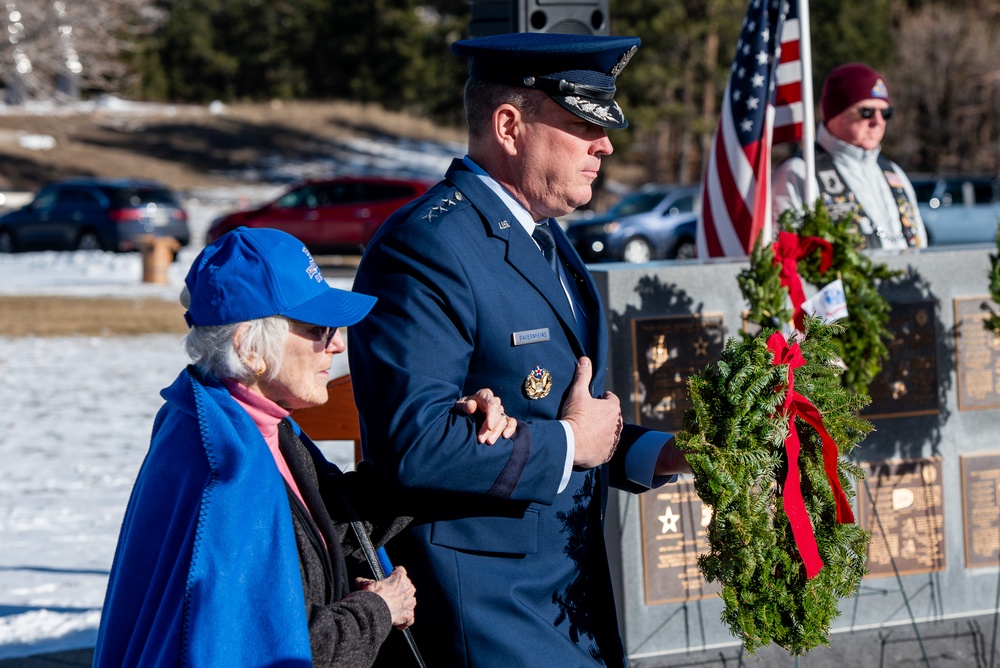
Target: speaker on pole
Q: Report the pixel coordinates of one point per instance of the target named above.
(575, 17)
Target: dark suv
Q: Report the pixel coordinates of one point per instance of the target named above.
(94, 214)
(958, 209)
(337, 215)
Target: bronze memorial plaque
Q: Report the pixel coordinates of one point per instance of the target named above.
(673, 523)
(667, 350)
(981, 509)
(909, 383)
(909, 498)
(977, 356)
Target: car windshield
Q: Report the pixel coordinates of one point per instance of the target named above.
(139, 196)
(640, 202)
(923, 190)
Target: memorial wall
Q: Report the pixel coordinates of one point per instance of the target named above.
(931, 498)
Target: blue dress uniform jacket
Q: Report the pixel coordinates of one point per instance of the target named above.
(508, 571)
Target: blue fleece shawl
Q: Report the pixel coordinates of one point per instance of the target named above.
(206, 572)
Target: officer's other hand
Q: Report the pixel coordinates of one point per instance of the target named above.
(596, 423)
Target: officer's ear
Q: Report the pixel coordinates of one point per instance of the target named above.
(507, 127)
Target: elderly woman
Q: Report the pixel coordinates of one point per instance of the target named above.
(235, 549)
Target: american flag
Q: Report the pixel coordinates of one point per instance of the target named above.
(736, 195)
(788, 109)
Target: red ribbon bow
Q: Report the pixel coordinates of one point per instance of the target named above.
(797, 405)
(788, 250)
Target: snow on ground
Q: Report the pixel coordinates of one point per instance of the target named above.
(74, 428)
(77, 411)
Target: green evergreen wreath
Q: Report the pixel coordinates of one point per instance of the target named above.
(992, 322)
(735, 444)
(861, 345)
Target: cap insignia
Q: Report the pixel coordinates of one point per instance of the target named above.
(623, 61)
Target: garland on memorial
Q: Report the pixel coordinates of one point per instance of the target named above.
(992, 321)
(736, 437)
(861, 345)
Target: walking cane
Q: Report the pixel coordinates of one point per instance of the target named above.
(375, 562)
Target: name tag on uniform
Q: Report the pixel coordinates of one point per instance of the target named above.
(531, 336)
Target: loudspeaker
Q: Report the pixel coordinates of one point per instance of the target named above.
(575, 17)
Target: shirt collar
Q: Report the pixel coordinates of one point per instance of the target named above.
(516, 208)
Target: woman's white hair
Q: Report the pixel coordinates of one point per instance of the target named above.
(242, 351)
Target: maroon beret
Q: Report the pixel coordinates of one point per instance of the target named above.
(849, 84)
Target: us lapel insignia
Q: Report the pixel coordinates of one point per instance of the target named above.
(538, 384)
(503, 225)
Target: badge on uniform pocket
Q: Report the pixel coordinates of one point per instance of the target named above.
(538, 384)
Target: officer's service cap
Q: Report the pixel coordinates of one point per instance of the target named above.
(577, 71)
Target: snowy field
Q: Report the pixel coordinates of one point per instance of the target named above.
(75, 424)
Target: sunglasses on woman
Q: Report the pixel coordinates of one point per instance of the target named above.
(313, 332)
(868, 113)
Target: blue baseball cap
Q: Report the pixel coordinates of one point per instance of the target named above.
(577, 71)
(252, 273)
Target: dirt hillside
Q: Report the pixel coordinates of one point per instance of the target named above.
(188, 146)
(183, 147)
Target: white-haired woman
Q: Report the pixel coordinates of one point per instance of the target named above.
(235, 549)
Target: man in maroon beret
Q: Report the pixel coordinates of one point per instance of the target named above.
(853, 176)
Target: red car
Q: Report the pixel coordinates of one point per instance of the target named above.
(337, 215)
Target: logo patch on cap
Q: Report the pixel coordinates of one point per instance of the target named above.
(313, 269)
(880, 90)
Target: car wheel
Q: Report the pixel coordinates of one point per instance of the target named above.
(88, 241)
(6, 241)
(686, 250)
(637, 251)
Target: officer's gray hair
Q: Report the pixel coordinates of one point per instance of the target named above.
(483, 97)
(215, 352)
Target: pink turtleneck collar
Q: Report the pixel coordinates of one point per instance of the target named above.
(267, 415)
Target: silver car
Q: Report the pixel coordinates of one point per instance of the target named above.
(959, 209)
(656, 222)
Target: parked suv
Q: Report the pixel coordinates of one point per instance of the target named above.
(94, 214)
(337, 215)
(654, 222)
(959, 209)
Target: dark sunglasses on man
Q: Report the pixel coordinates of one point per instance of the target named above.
(868, 113)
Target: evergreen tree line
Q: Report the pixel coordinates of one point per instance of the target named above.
(939, 58)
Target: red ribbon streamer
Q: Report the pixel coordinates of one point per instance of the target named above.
(788, 250)
(797, 405)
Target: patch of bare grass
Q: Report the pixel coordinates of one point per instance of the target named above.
(69, 316)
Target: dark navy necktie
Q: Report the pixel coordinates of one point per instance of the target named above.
(547, 242)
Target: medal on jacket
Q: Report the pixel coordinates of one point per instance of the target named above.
(538, 383)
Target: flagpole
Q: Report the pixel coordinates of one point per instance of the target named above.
(808, 115)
